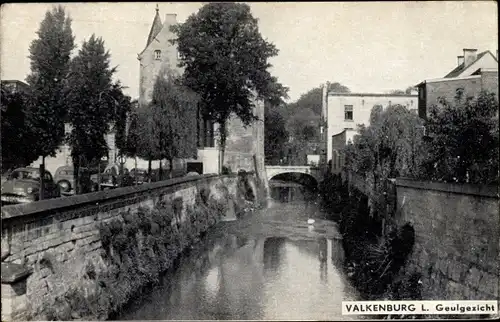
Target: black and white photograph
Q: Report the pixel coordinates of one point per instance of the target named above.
(287, 160)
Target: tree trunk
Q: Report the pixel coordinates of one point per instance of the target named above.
(76, 170)
(42, 172)
(149, 170)
(135, 172)
(171, 167)
(160, 172)
(222, 148)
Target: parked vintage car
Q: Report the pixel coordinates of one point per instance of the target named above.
(139, 175)
(111, 178)
(64, 177)
(23, 186)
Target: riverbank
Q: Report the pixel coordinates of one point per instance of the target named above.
(374, 258)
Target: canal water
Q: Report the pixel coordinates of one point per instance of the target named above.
(268, 265)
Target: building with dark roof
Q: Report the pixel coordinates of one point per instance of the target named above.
(473, 74)
(470, 62)
(15, 85)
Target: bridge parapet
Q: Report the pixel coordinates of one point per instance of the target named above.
(274, 170)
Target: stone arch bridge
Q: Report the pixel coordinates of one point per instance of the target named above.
(275, 170)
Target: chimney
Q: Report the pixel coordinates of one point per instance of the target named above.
(470, 56)
(460, 60)
(170, 19)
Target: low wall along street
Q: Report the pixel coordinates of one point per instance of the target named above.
(456, 238)
(85, 256)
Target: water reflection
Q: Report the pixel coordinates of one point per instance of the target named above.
(273, 252)
(254, 271)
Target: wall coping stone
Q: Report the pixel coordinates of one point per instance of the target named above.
(52, 205)
(458, 188)
(12, 273)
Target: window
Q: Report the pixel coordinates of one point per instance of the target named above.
(157, 54)
(348, 110)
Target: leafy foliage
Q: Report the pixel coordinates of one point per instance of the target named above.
(123, 109)
(225, 60)
(465, 141)
(275, 134)
(174, 109)
(50, 58)
(16, 130)
(312, 99)
(133, 138)
(93, 102)
(389, 147)
(304, 120)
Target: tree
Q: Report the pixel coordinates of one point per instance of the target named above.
(121, 113)
(275, 134)
(91, 100)
(174, 108)
(50, 57)
(143, 132)
(464, 142)
(16, 130)
(304, 117)
(407, 91)
(389, 147)
(313, 98)
(226, 62)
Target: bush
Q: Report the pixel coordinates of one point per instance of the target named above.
(463, 140)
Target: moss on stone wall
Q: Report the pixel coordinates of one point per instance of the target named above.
(136, 248)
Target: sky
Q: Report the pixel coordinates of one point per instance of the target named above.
(366, 46)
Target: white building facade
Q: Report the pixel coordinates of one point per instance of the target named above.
(345, 111)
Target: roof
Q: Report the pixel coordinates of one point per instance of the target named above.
(460, 68)
(156, 27)
(372, 94)
(435, 80)
(27, 169)
(14, 81)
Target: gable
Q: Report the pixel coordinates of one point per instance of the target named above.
(484, 60)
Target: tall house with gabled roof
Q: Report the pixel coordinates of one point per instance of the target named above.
(244, 145)
(158, 53)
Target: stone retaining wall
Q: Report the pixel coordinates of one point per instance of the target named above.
(85, 256)
(457, 238)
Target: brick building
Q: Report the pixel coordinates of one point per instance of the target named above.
(474, 73)
(241, 144)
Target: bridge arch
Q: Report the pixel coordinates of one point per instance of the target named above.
(306, 171)
(303, 179)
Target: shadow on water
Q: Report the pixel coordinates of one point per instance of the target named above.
(234, 277)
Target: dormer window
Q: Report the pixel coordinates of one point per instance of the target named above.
(157, 54)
